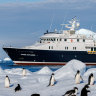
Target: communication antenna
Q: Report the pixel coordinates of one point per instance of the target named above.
(63, 22)
(51, 23)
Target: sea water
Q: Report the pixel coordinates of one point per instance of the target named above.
(33, 68)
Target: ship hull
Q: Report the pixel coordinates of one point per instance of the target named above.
(48, 57)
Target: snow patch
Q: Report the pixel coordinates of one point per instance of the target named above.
(17, 71)
(1, 71)
(70, 69)
(45, 70)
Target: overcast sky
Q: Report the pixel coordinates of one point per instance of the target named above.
(22, 22)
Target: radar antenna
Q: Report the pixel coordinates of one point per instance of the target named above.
(73, 24)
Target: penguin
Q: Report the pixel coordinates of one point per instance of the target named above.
(78, 77)
(91, 79)
(7, 82)
(18, 88)
(35, 95)
(85, 90)
(24, 72)
(71, 92)
(52, 80)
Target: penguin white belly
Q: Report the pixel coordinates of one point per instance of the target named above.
(92, 81)
(52, 81)
(7, 82)
(77, 79)
(24, 72)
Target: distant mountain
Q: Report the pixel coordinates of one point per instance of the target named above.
(86, 32)
(7, 60)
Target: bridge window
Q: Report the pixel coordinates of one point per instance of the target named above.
(83, 40)
(60, 39)
(77, 40)
(91, 49)
(65, 39)
(94, 49)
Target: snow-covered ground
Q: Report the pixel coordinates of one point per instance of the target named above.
(37, 82)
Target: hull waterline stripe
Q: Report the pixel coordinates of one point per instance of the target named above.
(46, 63)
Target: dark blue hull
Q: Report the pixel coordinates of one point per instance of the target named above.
(48, 57)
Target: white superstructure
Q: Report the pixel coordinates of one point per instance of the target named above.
(65, 40)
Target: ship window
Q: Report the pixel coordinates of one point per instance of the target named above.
(54, 39)
(65, 39)
(94, 49)
(49, 47)
(51, 39)
(57, 39)
(66, 48)
(60, 39)
(83, 40)
(77, 40)
(74, 48)
(91, 49)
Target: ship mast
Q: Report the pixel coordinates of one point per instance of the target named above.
(73, 24)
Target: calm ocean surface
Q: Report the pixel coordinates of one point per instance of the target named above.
(33, 68)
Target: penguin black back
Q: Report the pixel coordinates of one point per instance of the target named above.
(18, 88)
(71, 92)
(35, 95)
(84, 91)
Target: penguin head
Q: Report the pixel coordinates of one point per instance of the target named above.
(86, 86)
(76, 89)
(23, 68)
(18, 84)
(92, 74)
(52, 74)
(6, 76)
(78, 71)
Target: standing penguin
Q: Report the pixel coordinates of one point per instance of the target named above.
(91, 79)
(84, 91)
(71, 92)
(52, 80)
(24, 72)
(78, 77)
(7, 82)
